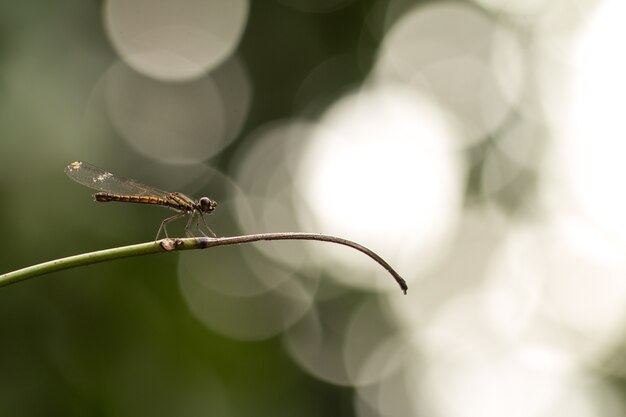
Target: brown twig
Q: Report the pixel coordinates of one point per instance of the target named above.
(169, 245)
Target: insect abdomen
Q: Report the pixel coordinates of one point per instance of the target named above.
(105, 197)
(172, 201)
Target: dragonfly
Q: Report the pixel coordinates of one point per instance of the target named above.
(115, 188)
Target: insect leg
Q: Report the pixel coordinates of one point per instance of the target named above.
(166, 221)
(201, 215)
(188, 225)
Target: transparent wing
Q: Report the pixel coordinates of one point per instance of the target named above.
(101, 180)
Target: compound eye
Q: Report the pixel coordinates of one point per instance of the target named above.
(207, 205)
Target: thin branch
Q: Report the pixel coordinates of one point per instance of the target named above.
(168, 245)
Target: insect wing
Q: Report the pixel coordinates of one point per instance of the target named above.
(101, 180)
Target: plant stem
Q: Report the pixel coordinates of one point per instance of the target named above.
(168, 245)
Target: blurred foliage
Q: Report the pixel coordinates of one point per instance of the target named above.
(119, 338)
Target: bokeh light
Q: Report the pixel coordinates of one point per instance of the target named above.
(175, 41)
(589, 151)
(525, 382)
(514, 155)
(520, 9)
(265, 174)
(475, 71)
(243, 317)
(367, 173)
(176, 122)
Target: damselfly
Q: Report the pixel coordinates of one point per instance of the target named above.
(114, 188)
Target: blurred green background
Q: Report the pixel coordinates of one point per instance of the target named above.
(457, 139)
(116, 338)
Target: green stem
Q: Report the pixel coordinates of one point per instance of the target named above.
(168, 245)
